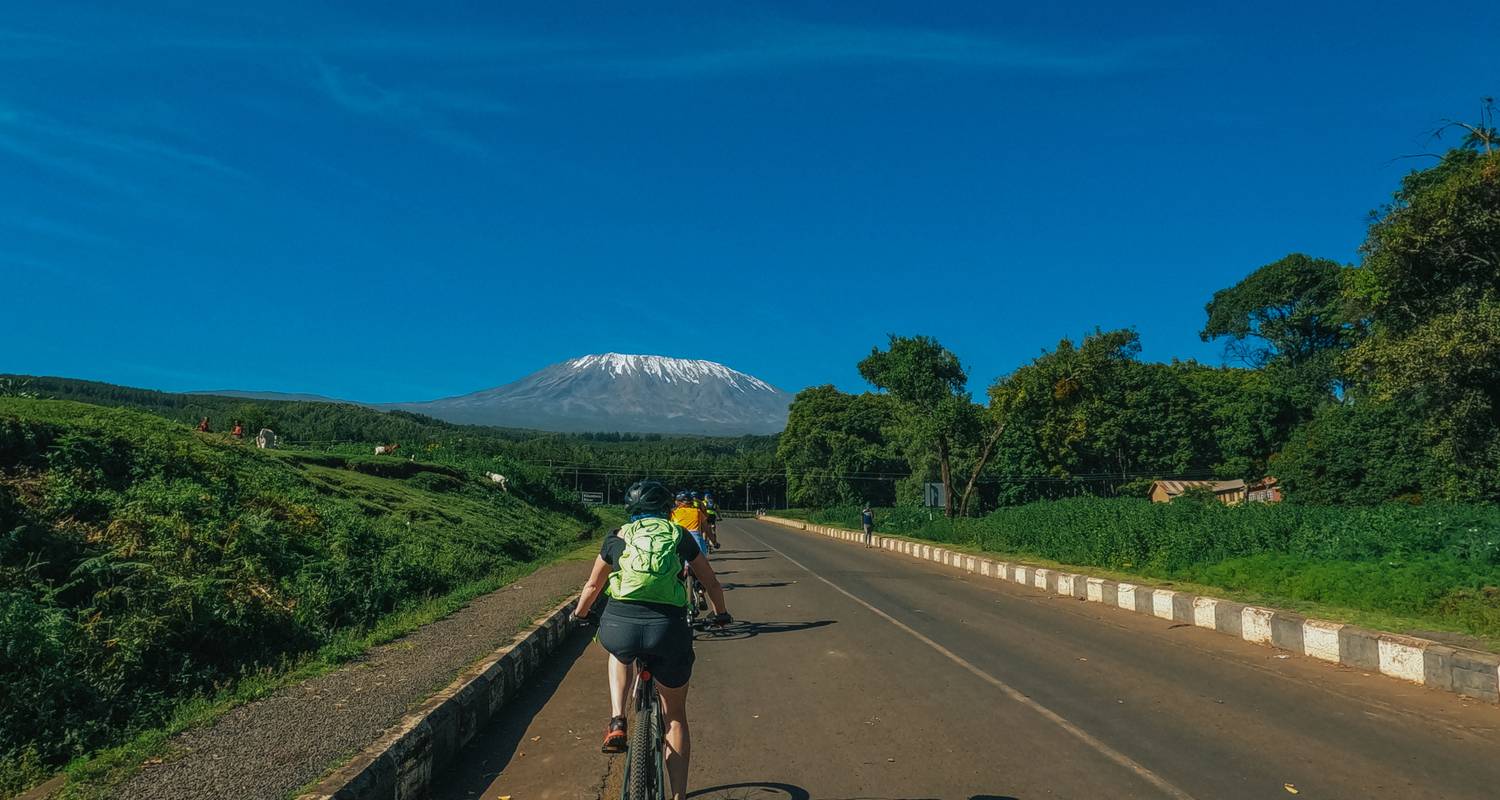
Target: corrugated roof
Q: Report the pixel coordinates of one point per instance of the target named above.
(1178, 487)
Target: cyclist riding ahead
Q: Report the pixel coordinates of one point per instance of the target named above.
(642, 565)
(689, 515)
(712, 510)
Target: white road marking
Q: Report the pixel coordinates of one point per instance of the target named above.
(1010, 691)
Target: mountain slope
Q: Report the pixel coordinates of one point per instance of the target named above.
(625, 393)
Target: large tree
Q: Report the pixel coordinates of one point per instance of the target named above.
(928, 381)
(835, 450)
(1430, 283)
(1290, 317)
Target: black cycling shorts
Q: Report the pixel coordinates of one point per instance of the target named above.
(663, 643)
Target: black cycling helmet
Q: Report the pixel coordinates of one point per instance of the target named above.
(648, 497)
(682, 497)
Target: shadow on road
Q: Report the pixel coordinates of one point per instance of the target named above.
(735, 631)
(493, 748)
(716, 558)
(753, 791)
(766, 585)
(770, 790)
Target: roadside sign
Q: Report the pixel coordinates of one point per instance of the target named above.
(933, 496)
(591, 498)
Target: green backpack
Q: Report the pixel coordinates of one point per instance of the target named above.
(649, 570)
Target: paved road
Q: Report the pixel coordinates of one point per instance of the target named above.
(866, 675)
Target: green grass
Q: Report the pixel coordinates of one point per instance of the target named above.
(1430, 569)
(151, 576)
(95, 777)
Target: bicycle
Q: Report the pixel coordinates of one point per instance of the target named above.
(646, 754)
(646, 762)
(697, 601)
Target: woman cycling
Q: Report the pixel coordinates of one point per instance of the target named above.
(640, 567)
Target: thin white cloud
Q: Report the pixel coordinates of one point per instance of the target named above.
(35, 267)
(793, 46)
(414, 110)
(751, 47)
(83, 152)
(56, 229)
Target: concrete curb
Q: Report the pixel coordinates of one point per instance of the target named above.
(401, 763)
(1472, 673)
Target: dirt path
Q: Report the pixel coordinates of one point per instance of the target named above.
(269, 748)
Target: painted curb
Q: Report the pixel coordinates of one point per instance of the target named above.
(1471, 673)
(400, 764)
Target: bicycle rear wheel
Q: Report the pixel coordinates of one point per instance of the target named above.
(641, 781)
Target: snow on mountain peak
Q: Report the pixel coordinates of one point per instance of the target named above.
(671, 370)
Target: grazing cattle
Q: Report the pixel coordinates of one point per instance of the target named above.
(386, 449)
(266, 439)
(499, 480)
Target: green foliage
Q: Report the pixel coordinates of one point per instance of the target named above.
(142, 563)
(835, 450)
(1430, 283)
(1292, 318)
(927, 381)
(1091, 417)
(1356, 454)
(916, 370)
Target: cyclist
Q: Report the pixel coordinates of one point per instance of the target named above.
(690, 516)
(712, 509)
(640, 568)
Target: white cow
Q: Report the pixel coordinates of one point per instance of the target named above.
(386, 449)
(499, 480)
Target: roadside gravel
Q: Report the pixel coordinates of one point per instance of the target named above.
(266, 749)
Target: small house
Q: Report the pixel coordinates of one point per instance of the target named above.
(1228, 492)
(1265, 490)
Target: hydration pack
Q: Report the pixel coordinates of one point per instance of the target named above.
(649, 570)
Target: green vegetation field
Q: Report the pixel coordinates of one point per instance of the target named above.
(1434, 567)
(143, 564)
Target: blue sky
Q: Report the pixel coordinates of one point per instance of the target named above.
(425, 199)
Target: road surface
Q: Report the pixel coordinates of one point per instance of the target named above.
(861, 674)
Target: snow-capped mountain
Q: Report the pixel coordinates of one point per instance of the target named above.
(625, 393)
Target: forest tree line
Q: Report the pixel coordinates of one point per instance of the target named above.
(1350, 383)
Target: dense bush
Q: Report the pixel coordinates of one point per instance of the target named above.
(142, 563)
(1441, 561)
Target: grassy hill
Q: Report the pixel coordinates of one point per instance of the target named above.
(143, 563)
(607, 462)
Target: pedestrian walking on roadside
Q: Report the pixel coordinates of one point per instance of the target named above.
(867, 518)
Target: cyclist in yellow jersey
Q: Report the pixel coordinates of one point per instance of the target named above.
(690, 516)
(708, 520)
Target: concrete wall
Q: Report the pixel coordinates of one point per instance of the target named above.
(400, 765)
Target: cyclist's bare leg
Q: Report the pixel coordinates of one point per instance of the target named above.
(619, 686)
(679, 742)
